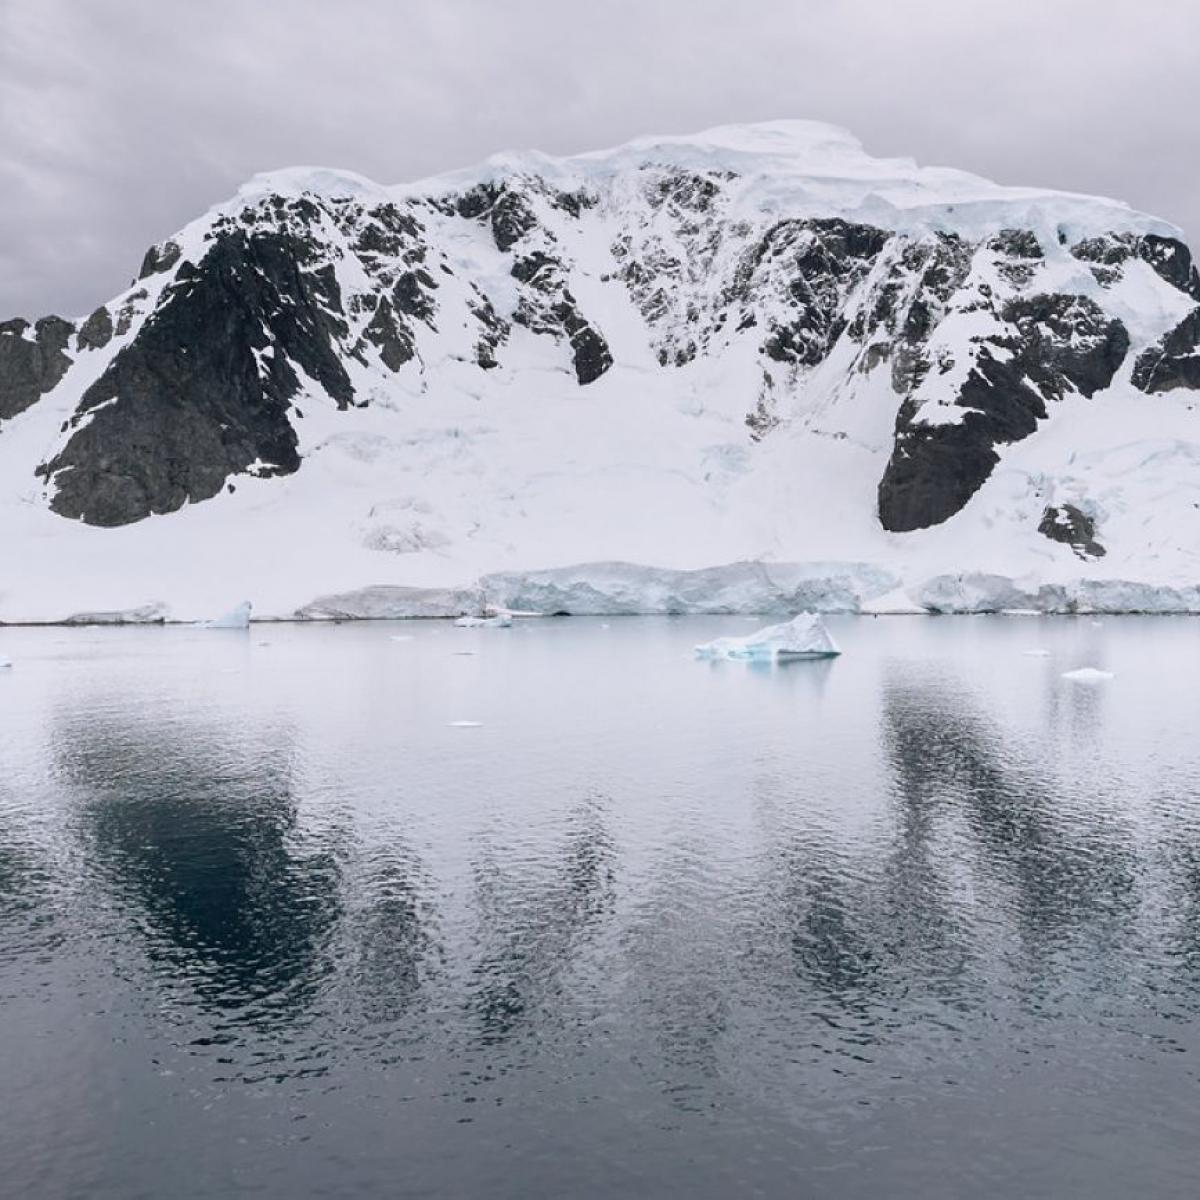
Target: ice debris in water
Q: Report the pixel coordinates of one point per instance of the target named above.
(804, 636)
(402, 637)
(5, 664)
(502, 620)
(465, 724)
(238, 618)
(1087, 675)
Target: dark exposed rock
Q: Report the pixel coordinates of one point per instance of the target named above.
(1110, 250)
(573, 203)
(477, 201)
(190, 403)
(494, 332)
(129, 310)
(1067, 341)
(1066, 523)
(819, 261)
(934, 470)
(538, 270)
(591, 353)
(1106, 255)
(31, 366)
(1172, 260)
(97, 331)
(687, 190)
(392, 338)
(390, 231)
(1174, 362)
(159, 258)
(549, 307)
(411, 295)
(1061, 343)
(1016, 243)
(508, 210)
(512, 219)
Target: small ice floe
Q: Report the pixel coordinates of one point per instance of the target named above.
(1097, 624)
(237, 618)
(402, 637)
(5, 664)
(1036, 652)
(465, 724)
(501, 620)
(805, 636)
(1087, 675)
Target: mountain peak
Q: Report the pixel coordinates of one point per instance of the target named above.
(792, 351)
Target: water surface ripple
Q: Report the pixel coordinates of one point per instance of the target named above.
(922, 921)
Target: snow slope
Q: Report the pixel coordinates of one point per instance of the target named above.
(742, 347)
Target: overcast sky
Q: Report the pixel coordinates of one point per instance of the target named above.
(120, 120)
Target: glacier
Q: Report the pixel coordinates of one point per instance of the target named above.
(752, 370)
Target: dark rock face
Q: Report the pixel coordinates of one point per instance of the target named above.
(1172, 260)
(1066, 342)
(97, 331)
(31, 366)
(191, 404)
(547, 306)
(159, 258)
(1069, 525)
(823, 260)
(1058, 343)
(390, 335)
(1174, 362)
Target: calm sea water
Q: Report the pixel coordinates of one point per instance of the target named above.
(922, 921)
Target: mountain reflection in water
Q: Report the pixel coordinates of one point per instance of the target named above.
(921, 921)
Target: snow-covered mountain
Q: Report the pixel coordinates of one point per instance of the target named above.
(870, 384)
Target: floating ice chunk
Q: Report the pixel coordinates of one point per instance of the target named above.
(805, 636)
(5, 664)
(466, 724)
(501, 620)
(1087, 675)
(402, 637)
(238, 618)
(1036, 653)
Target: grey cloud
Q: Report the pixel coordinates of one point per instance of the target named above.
(120, 120)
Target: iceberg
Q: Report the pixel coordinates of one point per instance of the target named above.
(238, 618)
(1087, 675)
(804, 636)
(501, 620)
(5, 664)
